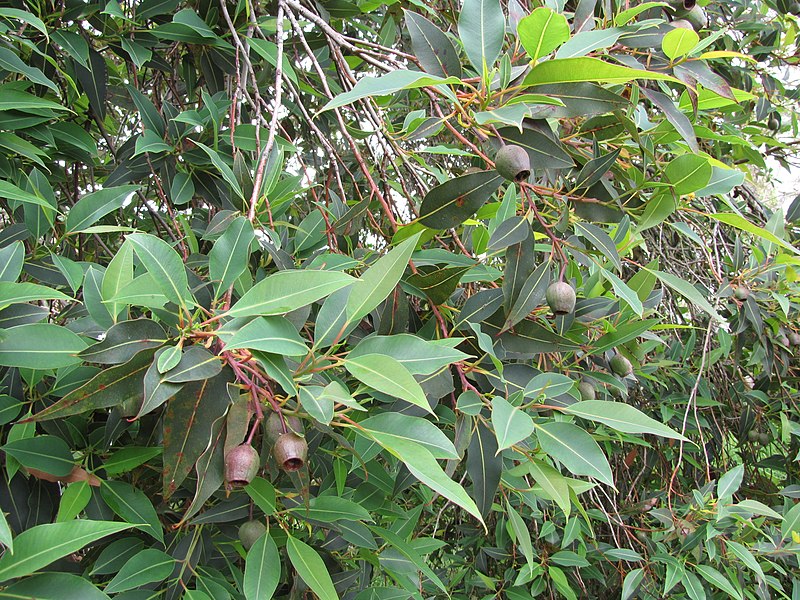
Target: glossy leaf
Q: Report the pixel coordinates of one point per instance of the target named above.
(286, 291)
(39, 546)
(451, 203)
(575, 449)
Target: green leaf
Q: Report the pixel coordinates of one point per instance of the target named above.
(575, 449)
(148, 566)
(196, 363)
(41, 545)
(548, 385)
(521, 533)
(46, 453)
(262, 569)
(188, 426)
(420, 357)
(119, 273)
(12, 257)
(387, 427)
(6, 537)
(39, 346)
(453, 202)
(433, 48)
(511, 425)
(740, 222)
(687, 290)
(481, 27)
(378, 281)
(631, 582)
(624, 292)
(729, 482)
(622, 417)
(311, 568)
(286, 291)
(262, 493)
(73, 500)
(316, 403)
(484, 467)
(679, 42)
(127, 459)
(542, 31)
(387, 375)
(17, 293)
(124, 340)
(131, 505)
(54, 586)
(688, 173)
(165, 265)
(270, 334)
(330, 509)
(717, 579)
(387, 84)
(584, 69)
(423, 466)
(791, 521)
(93, 207)
(110, 387)
(553, 483)
(223, 168)
(530, 295)
(601, 241)
(11, 192)
(228, 258)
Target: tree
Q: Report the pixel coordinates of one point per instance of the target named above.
(274, 324)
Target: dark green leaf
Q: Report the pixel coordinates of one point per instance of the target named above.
(451, 203)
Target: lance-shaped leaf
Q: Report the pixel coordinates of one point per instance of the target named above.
(164, 264)
(575, 449)
(275, 335)
(16, 293)
(37, 547)
(46, 453)
(582, 69)
(387, 84)
(12, 257)
(378, 281)
(423, 466)
(262, 569)
(387, 375)
(148, 566)
(433, 48)
(484, 467)
(482, 28)
(553, 483)
(530, 295)
(188, 426)
(55, 586)
(96, 205)
(228, 258)
(133, 506)
(110, 387)
(289, 290)
(453, 202)
(388, 426)
(420, 357)
(39, 346)
(511, 425)
(124, 340)
(311, 568)
(156, 389)
(622, 417)
(196, 363)
(437, 282)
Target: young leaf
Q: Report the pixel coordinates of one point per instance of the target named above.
(311, 569)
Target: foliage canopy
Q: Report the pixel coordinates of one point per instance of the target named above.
(238, 232)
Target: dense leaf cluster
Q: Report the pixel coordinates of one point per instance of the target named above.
(273, 322)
